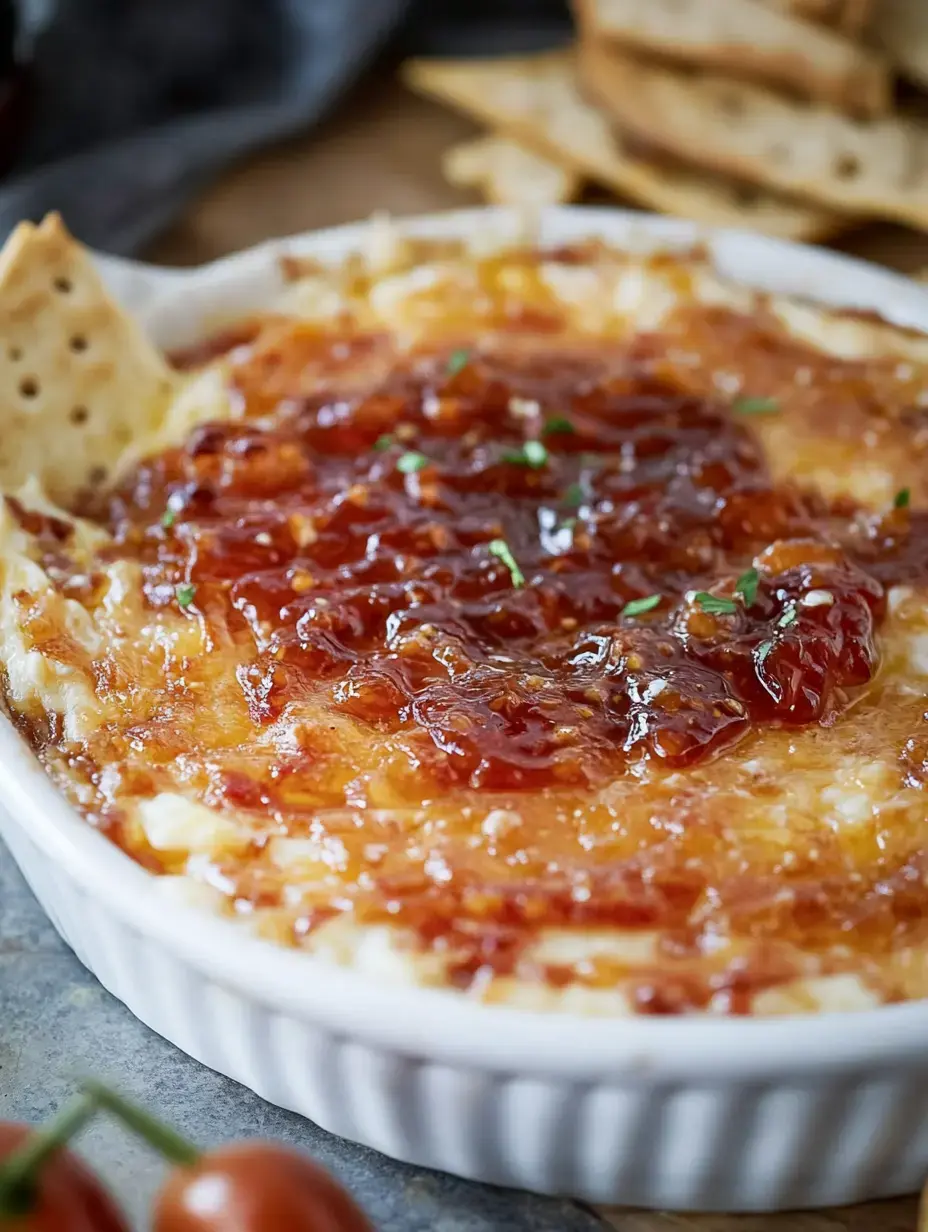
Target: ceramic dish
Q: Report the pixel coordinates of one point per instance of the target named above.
(682, 1113)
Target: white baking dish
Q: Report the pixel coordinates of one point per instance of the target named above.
(685, 1113)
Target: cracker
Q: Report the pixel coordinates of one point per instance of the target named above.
(901, 28)
(878, 169)
(508, 173)
(745, 38)
(78, 379)
(536, 100)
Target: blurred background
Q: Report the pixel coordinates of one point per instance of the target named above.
(179, 130)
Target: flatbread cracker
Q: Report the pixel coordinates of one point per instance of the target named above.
(877, 169)
(508, 173)
(537, 101)
(72, 361)
(901, 29)
(745, 38)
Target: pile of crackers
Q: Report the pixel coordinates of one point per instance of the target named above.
(798, 118)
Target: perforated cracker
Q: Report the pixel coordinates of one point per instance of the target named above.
(537, 101)
(746, 39)
(78, 379)
(878, 168)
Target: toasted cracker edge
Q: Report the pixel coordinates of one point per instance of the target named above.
(598, 152)
(750, 40)
(78, 378)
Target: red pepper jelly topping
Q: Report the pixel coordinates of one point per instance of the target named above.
(530, 564)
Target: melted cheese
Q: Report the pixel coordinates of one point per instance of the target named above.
(152, 695)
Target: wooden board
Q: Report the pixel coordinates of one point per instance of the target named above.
(382, 151)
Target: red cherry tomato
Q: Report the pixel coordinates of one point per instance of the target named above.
(255, 1187)
(68, 1197)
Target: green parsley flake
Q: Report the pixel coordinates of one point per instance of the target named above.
(761, 652)
(746, 586)
(788, 617)
(574, 495)
(637, 607)
(568, 524)
(756, 406)
(902, 498)
(535, 453)
(411, 462)
(458, 360)
(184, 592)
(715, 605)
(532, 453)
(167, 518)
(557, 424)
(384, 442)
(500, 549)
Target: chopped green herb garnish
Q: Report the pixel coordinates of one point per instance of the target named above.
(715, 605)
(458, 360)
(746, 586)
(902, 498)
(636, 607)
(185, 591)
(761, 651)
(167, 518)
(384, 442)
(568, 524)
(411, 462)
(535, 453)
(788, 617)
(756, 406)
(532, 453)
(500, 549)
(557, 424)
(574, 495)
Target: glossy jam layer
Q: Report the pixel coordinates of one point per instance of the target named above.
(531, 562)
(541, 632)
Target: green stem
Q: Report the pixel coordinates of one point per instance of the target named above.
(172, 1145)
(20, 1169)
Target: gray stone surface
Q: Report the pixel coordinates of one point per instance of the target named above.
(57, 1022)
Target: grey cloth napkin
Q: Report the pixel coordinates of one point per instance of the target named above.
(139, 103)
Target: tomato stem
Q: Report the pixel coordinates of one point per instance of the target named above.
(20, 1170)
(172, 1145)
